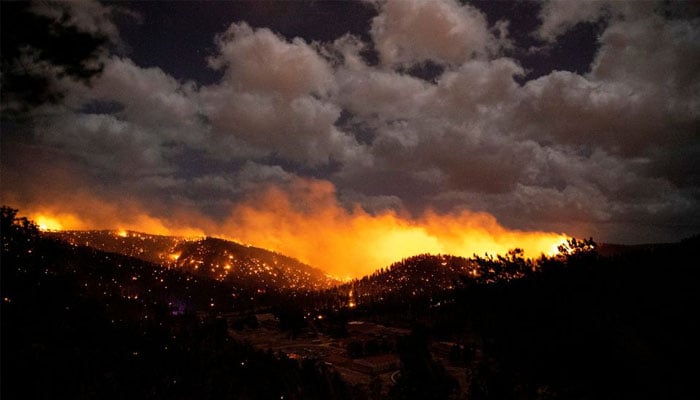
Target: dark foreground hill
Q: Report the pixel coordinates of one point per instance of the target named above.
(80, 323)
(582, 326)
(83, 323)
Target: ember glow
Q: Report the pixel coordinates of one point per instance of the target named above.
(306, 221)
(413, 127)
(48, 223)
(56, 222)
(355, 243)
(84, 212)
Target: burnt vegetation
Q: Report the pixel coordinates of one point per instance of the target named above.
(595, 321)
(221, 260)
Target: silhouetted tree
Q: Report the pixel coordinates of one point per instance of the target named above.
(574, 247)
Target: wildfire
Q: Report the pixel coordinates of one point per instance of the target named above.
(351, 300)
(310, 224)
(107, 217)
(305, 220)
(554, 248)
(46, 223)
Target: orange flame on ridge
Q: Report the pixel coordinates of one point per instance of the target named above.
(320, 231)
(306, 221)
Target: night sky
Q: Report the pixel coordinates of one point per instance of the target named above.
(576, 118)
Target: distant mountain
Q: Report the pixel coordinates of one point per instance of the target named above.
(219, 259)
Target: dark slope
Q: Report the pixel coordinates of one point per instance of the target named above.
(583, 326)
(427, 276)
(81, 323)
(214, 258)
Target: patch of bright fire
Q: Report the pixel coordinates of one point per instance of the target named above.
(343, 243)
(46, 223)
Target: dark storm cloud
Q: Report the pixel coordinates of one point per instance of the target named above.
(609, 152)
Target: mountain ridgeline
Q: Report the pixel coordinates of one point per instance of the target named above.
(219, 259)
(428, 276)
(114, 314)
(78, 322)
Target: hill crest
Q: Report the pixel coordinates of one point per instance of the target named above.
(216, 258)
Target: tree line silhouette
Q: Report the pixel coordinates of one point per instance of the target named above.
(60, 340)
(577, 325)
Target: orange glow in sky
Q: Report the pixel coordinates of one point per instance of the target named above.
(306, 221)
(315, 228)
(46, 223)
(55, 222)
